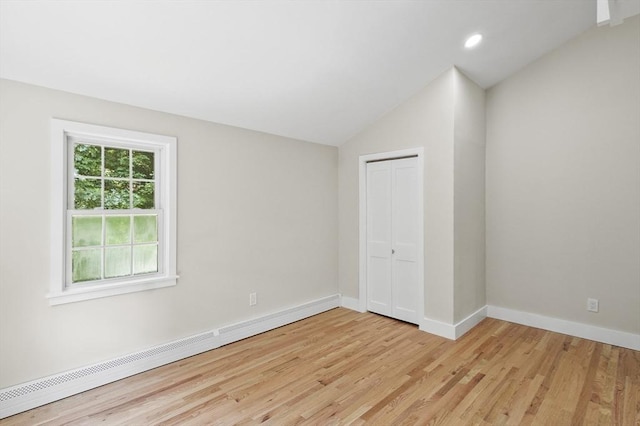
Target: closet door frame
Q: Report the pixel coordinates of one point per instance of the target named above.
(363, 160)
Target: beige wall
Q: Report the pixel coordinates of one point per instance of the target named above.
(563, 182)
(256, 213)
(429, 120)
(259, 212)
(425, 120)
(469, 195)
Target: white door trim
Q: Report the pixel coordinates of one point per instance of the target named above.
(362, 255)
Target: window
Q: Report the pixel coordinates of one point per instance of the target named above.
(113, 211)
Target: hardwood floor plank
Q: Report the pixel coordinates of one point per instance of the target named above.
(348, 368)
(587, 389)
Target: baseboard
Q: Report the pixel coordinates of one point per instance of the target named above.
(242, 330)
(29, 395)
(438, 328)
(453, 331)
(351, 303)
(469, 322)
(585, 331)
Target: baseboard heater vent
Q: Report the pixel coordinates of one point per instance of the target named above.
(29, 395)
(71, 382)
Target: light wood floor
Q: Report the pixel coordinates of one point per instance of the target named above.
(342, 367)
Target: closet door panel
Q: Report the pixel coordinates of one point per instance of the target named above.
(404, 187)
(379, 238)
(392, 240)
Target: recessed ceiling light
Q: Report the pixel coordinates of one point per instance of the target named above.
(473, 41)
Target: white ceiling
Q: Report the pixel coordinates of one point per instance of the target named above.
(319, 71)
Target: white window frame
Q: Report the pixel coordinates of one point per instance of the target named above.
(63, 133)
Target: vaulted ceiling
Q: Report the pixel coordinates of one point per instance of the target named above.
(319, 71)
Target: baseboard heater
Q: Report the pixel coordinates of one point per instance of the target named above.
(32, 394)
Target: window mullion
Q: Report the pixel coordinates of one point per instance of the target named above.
(131, 197)
(103, 249)
(131, 222)
(113, 212)
(102, 177)
(130, 178)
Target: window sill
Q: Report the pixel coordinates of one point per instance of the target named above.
(78, 295)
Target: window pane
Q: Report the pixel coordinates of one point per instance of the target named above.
(87, 193)
(118, 230)
(86, 265)
(143, 165)
(145, 259)
(145, 229)
(116, 162)
(86, 231)
(116, 194)
(87, 160)
(143, 195)
(117, 262)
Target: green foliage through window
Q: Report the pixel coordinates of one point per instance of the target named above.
(116, 162)
(143, 165)
(113, 178)
(108, 243)
(87, 160)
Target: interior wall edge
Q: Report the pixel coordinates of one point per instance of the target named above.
(351, 303)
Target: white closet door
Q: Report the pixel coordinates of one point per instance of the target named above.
(404, 219)
(392, 237)
(379, 238)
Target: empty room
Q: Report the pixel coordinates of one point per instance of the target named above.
(322, 212)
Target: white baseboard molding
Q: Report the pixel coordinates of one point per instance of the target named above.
(29, 395)
(469, 322)
(351, 303)
(242, 330)
(585, 331)
(438, 328)
(453, 331)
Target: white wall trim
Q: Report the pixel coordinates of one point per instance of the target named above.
(469, 322)
(242, 330)
(351, 303)
(577, 329)
(63, 135)
(453, 331)
(42, 391)
(362, 221)
(438, 328)
(586, 331)
(32, 394)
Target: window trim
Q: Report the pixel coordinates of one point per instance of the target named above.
(62, 131)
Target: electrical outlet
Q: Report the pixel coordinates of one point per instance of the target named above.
(253, 299)
(592, 305)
